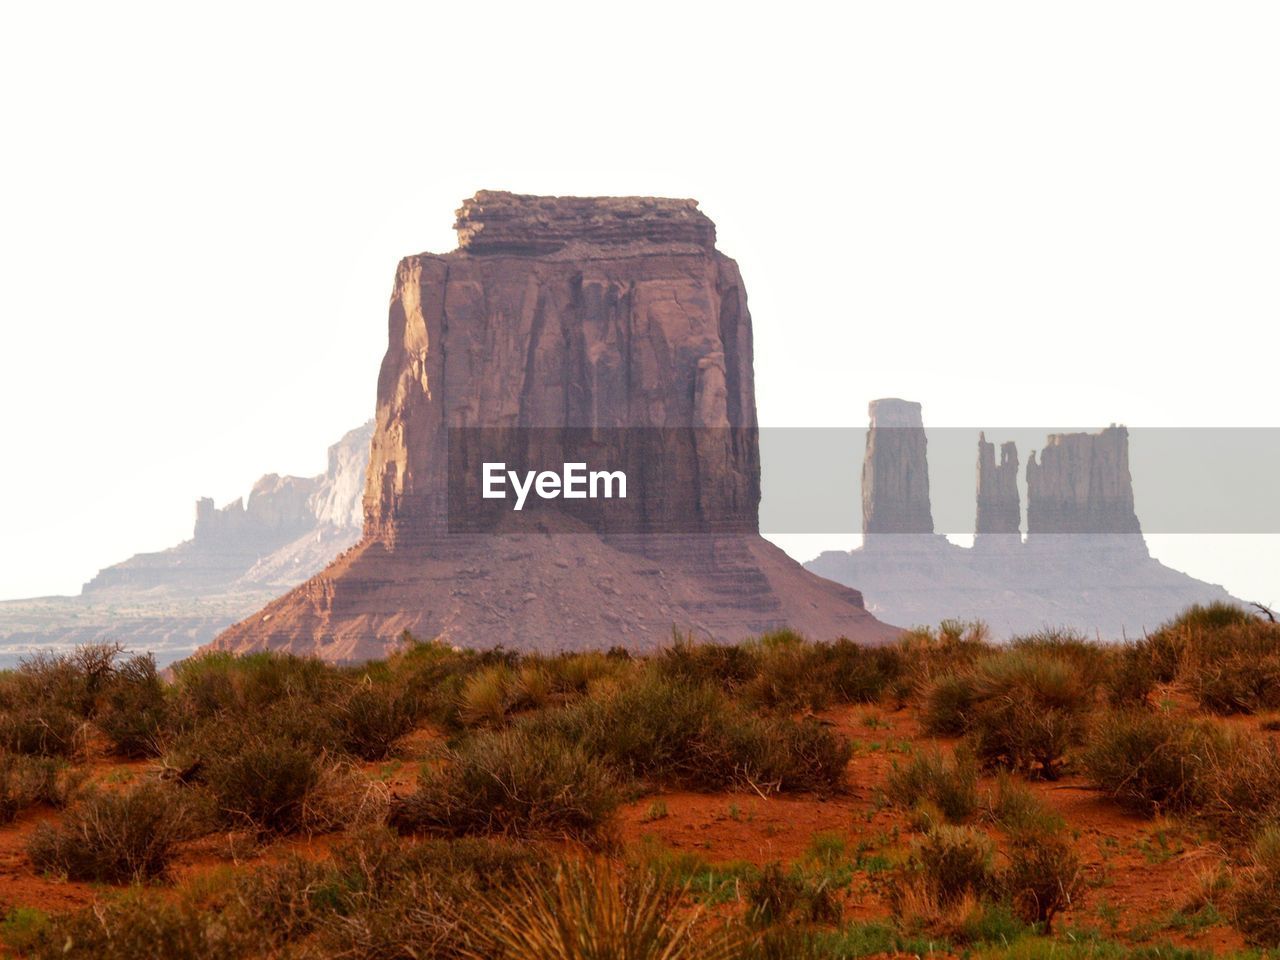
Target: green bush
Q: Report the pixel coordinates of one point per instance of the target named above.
(373, 717)
(510, 783)
(1029, 710)
(1161, 763)
(1152, 762)
(948, 705)
(114, 837)
(655, 729)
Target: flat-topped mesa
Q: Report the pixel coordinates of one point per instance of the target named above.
(496, 222)
(895, 471)
(1082, 485)
(600, 332)
(620, 328)
(999, 504)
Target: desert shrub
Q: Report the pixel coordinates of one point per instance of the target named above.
(1131, 678)
(725, 666)
(1091, 661)
(138, 927)
(215, 684)
(787, 755)
(953, 646)
(1160, 763)
(1152, 762)
(1028, 710)
(593, 909)
(1228, 658)
(508, 782)
(114, 837)
(274, 785)
(1043, 875)
(26, 781)
(950, 787)
(134, 710)
(1255, 905)
(1014, 807)
(1242, 682)
(775, 896)
(860, 674)
(49, 731)
(954, 862)
(373, 717)
(948, 705)
(787, 675)
(658, 729)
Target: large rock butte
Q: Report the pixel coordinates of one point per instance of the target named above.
(616, 317)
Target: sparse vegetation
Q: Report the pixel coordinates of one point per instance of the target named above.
(660, 771)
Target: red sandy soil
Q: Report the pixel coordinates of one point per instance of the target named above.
(1140, 871)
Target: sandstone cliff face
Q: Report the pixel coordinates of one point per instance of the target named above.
(1082, 484)
(613, 317)
(895, 471)
(999, 503)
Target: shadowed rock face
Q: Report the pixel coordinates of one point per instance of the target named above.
(556, 314)
(1082, 484)
(999, 505)
(895, 471)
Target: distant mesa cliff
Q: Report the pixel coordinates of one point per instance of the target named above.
(613, 315)
(238, 557)
(1084, 563)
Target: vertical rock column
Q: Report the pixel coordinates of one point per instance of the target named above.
(999, 505)
(895, 471)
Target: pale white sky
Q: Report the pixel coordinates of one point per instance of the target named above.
(1016, 213)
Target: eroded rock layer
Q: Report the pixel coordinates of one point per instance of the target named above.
(615, 315)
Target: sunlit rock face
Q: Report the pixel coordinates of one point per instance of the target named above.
(616, 317)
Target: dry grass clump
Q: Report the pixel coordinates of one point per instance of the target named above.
(934, 783)
(114, 837)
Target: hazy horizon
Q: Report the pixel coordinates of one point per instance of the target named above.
(203, 216)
